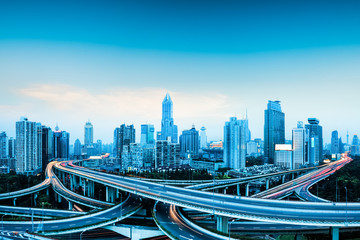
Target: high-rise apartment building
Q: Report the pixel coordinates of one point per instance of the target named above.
(123, 136)
(300, 146)
(283, 155)
(203, 138)
(335, 147)
(315, 141)
(147, 135)
(28, 147)
(235, 143)
(149, 156)
(132, 157)
(274, 129)
(189, 143)
(168, 129)
(167, 154)
(4, 148)
(11, 146)
(88, 134)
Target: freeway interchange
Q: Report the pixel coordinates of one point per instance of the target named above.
(268, 209)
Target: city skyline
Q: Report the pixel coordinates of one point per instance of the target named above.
(218, 62)
(81, 132)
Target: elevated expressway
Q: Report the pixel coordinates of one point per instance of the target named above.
(300, 185)
(171, 219)
(31, 190)
(75, 221)
(224, 206)
(302, 213)
(79, 223)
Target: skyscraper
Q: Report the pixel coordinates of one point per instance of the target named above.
(300, 146)
(203, 138)
(47, 146)
(123, 136)
(315, 141)
(168, 129)
(189, 143)
(28, 147)
(147, 134)
(235, 143)
(274, 129)
(88, 134)
(4, 148)
(77, 148)
(335, 147)
(61, 144)
(355, 146)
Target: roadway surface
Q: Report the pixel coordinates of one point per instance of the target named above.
(301, 184)
(34, 189)
(37, 212)
(303, 213)
(170, 222)
(60, 189)
(77, 224)
(173, 222)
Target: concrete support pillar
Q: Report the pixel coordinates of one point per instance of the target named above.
(222, 224)
(292, 176)
(267, 183)
(335, 233)
(47, 191)
(91, 189)
(117, 193)
(71, 205)
(247, 189)
(59, 198)
(283, 178)
(84, 187)
(35, 197)
(88, 187)
(71, 183)
(225, 190)
(110, 194)
(14, 202)
(238, 189)
(107, 194)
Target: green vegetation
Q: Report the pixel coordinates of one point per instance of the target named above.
(348, 176)
(251, 161)
(12, 182)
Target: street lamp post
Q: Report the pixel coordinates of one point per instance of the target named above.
(230, 226)
(81, 234)
(346, 205)
(2, 221)
(120, 205)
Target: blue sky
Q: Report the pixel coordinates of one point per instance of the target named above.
(113, 61)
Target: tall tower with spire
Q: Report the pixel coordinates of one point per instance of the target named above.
(168, 129)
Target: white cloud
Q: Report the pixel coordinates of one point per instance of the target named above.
(144, 102)
(72, 106)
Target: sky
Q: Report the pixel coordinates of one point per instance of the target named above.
(112, 62)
